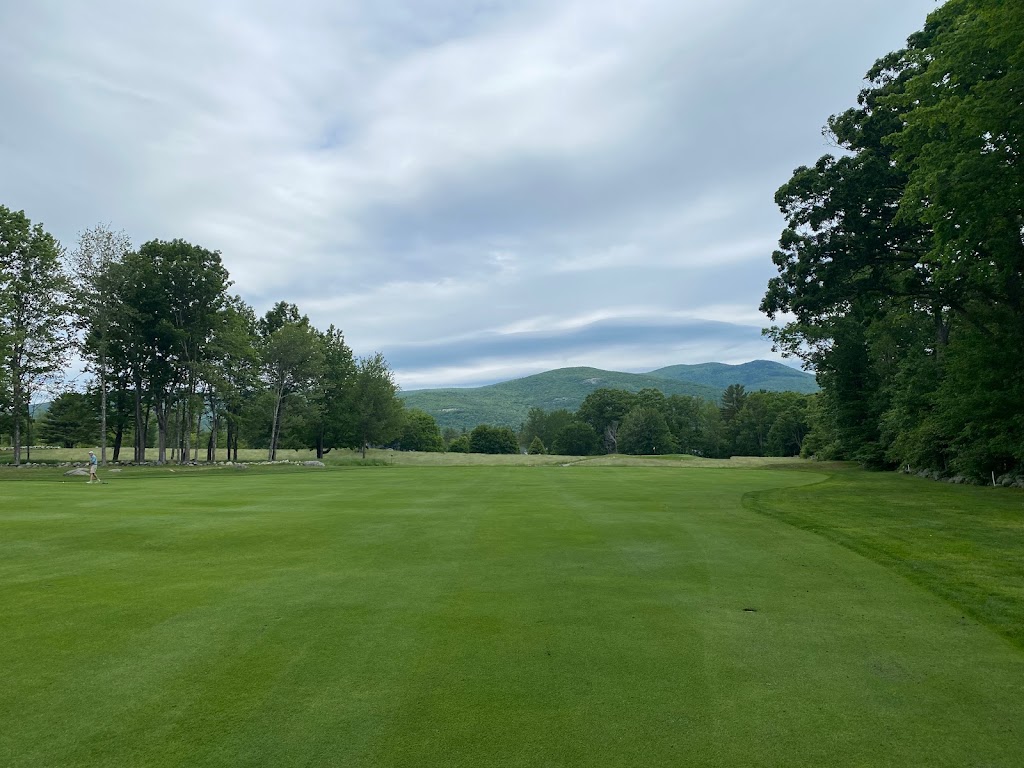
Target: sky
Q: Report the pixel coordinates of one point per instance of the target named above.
(478, 189)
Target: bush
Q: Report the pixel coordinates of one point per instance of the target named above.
(487, 439)
(459, 444)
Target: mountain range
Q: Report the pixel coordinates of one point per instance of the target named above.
(507, 403)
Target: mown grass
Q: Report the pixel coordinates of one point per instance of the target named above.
(963, 543)
(483, 616)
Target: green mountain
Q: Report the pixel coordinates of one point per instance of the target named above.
(507, 403)
(759, 374)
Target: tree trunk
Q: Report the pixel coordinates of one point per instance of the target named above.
(231, 434)
(162, 417)
(145, 431)
(199, 427)
(211, 445)
(140, 431)
(103, 409)
(184, 430)
(16, 410)
(276, 426)
(118, 434)
(611, 437)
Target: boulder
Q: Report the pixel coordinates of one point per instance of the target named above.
(77, 473)
(313, 464)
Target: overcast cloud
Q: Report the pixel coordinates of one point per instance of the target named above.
(479, 189)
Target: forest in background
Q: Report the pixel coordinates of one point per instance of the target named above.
(509, 402)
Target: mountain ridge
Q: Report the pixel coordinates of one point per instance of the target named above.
(507, 403)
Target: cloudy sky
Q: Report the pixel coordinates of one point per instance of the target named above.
(479, 189)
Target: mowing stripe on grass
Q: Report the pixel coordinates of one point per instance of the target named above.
(474, 616)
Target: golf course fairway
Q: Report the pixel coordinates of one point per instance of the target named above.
(478, 616)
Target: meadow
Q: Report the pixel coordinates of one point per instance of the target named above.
(657, 612)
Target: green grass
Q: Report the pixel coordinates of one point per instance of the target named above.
(496, 616)
(965, 544)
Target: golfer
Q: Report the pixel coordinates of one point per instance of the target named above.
(92, 468)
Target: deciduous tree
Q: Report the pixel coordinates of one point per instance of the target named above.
(98, 248)
(419, 432)
(487, 439)
(292, 355)
(35, 332)
(644, 432)
(377, 411)
(603, 410)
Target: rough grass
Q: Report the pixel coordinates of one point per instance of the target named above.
(493, 616)
(963, 543)
(340, 458)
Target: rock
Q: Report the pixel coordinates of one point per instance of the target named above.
(313, 464)
(241, 466)
(77, 473)
(114, 470)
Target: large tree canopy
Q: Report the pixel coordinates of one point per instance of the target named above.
(902, 263)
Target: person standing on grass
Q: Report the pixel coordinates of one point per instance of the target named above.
(92, 468)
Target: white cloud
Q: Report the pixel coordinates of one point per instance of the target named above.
(433, 172)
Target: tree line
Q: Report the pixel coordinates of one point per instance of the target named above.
(650, 423)
(901, 268)
(182, 368)
(177, 359)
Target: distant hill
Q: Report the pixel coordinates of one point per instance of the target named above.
(759, 374)
(508, 403)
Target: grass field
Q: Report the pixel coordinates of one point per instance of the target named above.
(578, 615)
